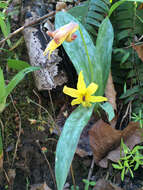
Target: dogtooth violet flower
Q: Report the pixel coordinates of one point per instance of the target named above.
(65, 33)
(82, 94)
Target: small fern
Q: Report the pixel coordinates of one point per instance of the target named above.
(128, 68)
(91, 13)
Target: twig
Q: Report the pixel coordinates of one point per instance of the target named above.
(73, 178)
(40, 103)
(2, 127)
(19, 132)
(91, 170)
(56, 127)
(27, 25)
(126, 113)
(53, 109)
(48, 163)
(7, 178)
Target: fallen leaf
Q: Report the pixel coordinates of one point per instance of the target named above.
(110, 92)
(139, 50)
(11, 175)
(102, 184)
(105, 141)
(40, 186)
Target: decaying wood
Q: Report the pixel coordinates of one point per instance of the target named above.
(49, 76)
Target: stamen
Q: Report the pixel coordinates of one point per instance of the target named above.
(83, 98)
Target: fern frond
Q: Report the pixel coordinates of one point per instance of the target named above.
(126, 23)
(127, 67)
(91, 13)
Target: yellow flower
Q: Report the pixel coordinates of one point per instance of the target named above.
(65, 33)
(82, 94)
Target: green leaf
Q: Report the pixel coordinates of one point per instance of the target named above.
(76, 49)
(118, 3)
(100, 56)
(116, 166)
(130, 92)
(92, 183)
(103, 52)
(132, 175)
(17, 78)
(80, 11)
(3, 5)
(5, 30)
(68, 141)
(17, 64)
(136, 166)
(123, 174)
(107, 107)
(114, 6)
(2, 86)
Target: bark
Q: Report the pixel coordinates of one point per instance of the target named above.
(49, 76)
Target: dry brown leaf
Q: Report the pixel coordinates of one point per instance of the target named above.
(139, 50)
(41, 186)
(11, 175)
(105, 141)
(102, 184)
(110, 92)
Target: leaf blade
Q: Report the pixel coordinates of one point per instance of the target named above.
(68, 142)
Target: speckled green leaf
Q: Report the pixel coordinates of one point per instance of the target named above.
(68, 141)
(103, 52)
(100, 55)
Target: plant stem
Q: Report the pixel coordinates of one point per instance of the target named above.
(86, 50)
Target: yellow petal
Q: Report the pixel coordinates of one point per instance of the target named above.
(86, 104)
(50, 47)
(71, 92)
(91, 89)
(98, 99)
(81, 86)
(76, 101)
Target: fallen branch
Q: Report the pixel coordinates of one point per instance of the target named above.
(27, 25)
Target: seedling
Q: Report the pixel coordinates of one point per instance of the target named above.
(130, 161)
(138, 118)
(88, 184)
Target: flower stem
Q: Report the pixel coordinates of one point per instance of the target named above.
(86, 50)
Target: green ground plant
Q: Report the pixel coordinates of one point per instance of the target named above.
(86, 186)
(138, 118)
(4, 20)
(130, 160)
